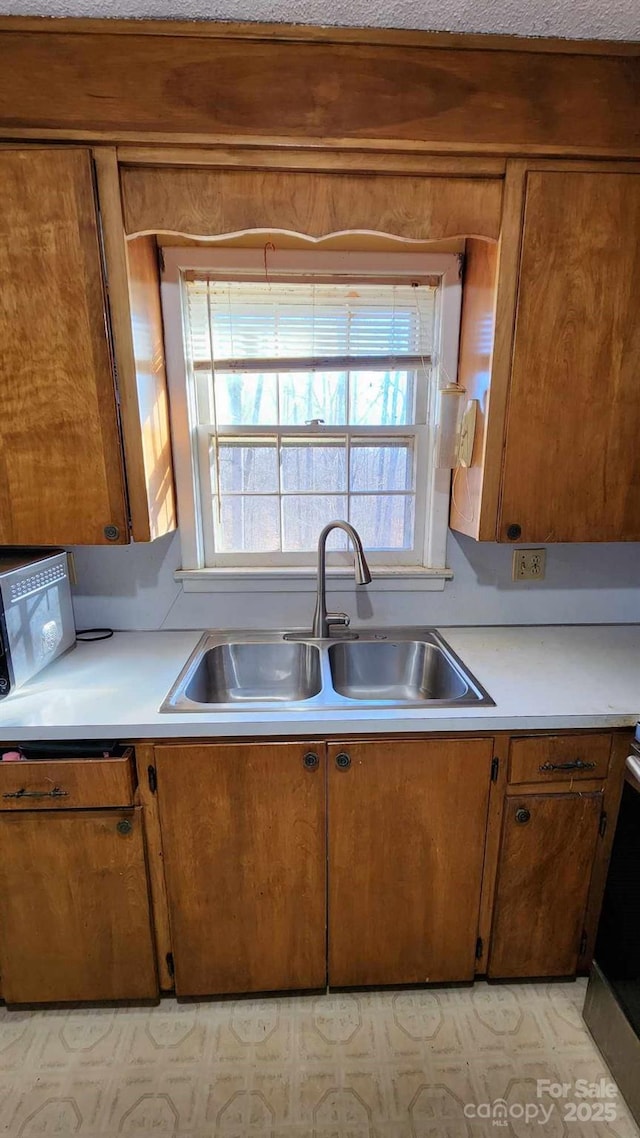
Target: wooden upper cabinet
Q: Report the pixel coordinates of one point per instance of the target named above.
(572, 462)
(61, 477)
(550, 345)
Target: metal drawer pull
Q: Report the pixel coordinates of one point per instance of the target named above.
(310, 761)
(343, 762)
(57, 792)
(575, 765)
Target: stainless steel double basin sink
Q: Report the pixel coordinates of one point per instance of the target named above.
(274, 671)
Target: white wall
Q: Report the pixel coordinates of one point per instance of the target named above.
(598, 19)
(133, 588)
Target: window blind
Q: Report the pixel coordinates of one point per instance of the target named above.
(240, 326)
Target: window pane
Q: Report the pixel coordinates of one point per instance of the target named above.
(277, 487)
(249, 525)
(381, 398)
(384, 521)
(309, 464)
(312, 395)
(244, 467)
(246, 399)
(304, 516)
(386, 466)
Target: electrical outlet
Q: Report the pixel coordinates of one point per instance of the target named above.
(529, 564)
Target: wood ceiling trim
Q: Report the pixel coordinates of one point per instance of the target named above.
(129, 82)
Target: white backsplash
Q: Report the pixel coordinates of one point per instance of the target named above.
(133, 587)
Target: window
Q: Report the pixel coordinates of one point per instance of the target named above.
(309, 396)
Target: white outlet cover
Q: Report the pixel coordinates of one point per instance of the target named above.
(529, 564)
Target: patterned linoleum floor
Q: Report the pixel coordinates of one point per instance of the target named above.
(408, 1064)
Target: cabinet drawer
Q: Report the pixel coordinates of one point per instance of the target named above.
(65, 784)
(547, 758)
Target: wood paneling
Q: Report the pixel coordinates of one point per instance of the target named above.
(74, 911)
(212, 29)
(620, 747)
(136, 321)
(204, 203)
(243, 834)
(407, 824)
(543, 883)
(492, 850)
(314, 161)
(486, 344)
(61, 479)
(542, 758)
(80, 783)
(152, 425)
(566, 785)
(572, 462)
(477, 333)
(203, 87)
(145, 757)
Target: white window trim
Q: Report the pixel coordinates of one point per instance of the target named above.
(195, 574)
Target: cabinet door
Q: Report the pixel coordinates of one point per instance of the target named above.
(243, 835)
(572, 460)
(60, 463)
(74, 908)
(546, 855)
(407, 824)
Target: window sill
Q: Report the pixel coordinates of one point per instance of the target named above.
(303, 580)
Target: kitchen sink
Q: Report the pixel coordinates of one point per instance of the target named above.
(270, 671)
(243, 673)
(410, 670)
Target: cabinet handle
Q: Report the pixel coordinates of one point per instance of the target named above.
(343, 762)
(57, 792)
(124, 826)
(522, 815)
(574, 765)
(310, 761)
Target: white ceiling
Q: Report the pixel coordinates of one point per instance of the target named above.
(585, 19)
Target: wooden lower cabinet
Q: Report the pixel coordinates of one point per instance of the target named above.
(407, 827)
(546, 856)
(74, 909)
(244, 844)
(289, 865)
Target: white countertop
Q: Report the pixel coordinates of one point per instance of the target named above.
(540, 677)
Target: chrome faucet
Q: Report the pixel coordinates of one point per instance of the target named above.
(322, 620)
